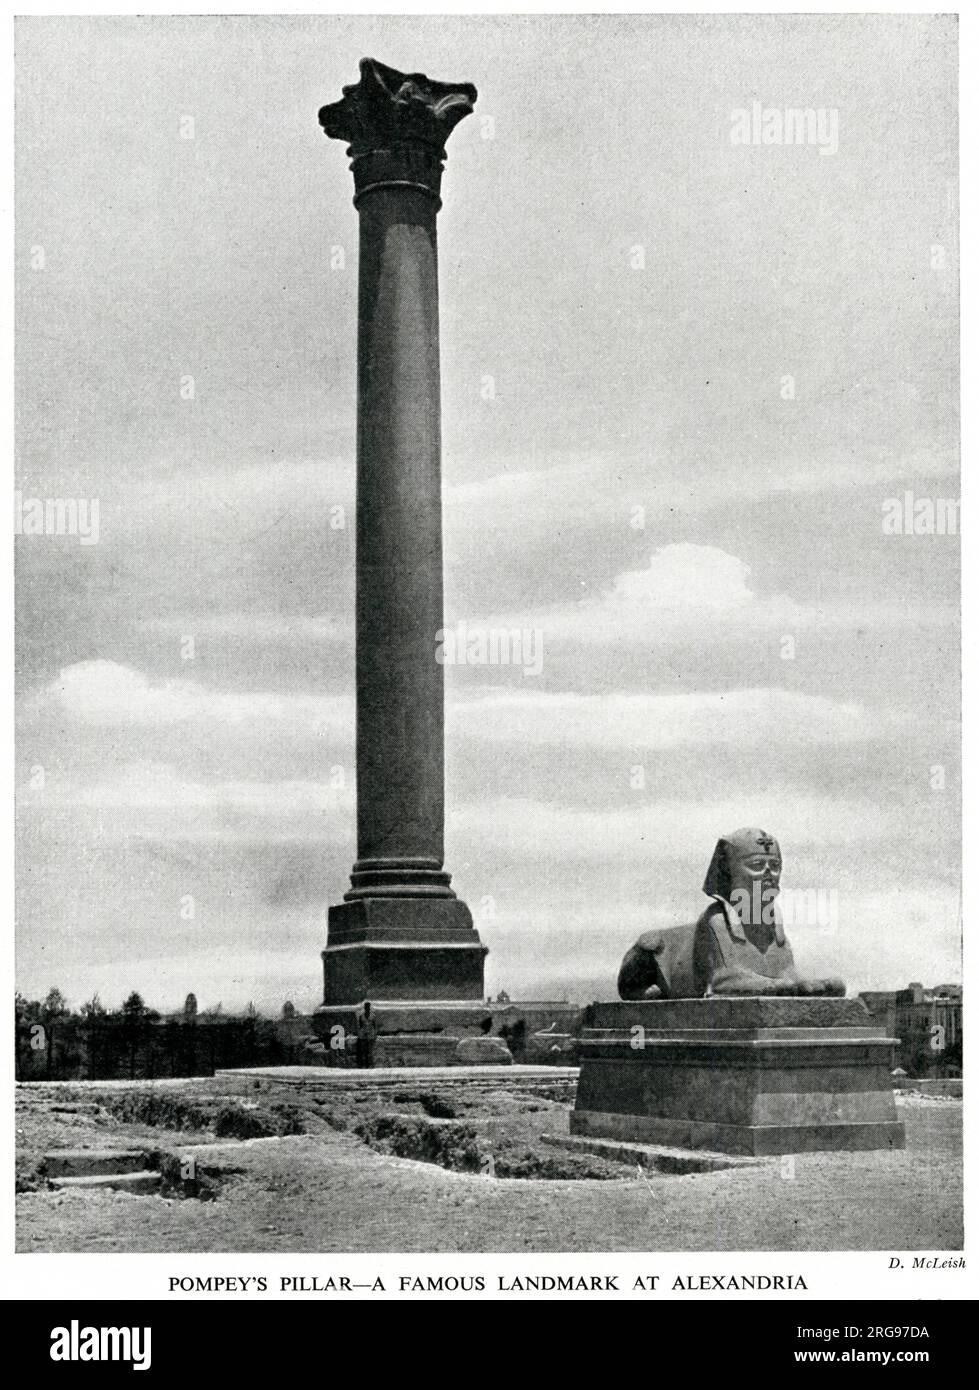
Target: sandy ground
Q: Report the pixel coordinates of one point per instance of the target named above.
(327, 1191)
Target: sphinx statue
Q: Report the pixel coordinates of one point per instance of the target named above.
(736, 947)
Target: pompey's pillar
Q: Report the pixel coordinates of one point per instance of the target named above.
(401, 933)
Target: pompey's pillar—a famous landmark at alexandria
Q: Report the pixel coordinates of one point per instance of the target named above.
(401, 938)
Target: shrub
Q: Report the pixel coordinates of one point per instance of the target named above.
(289, 1117)
(555, 1167)
(436, 1106)
(446, 1142)
(29, 1177)
(234, 1122)
(157, 1108)
(202, 1184)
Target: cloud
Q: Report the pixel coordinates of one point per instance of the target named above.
(739, 718)
(294, 628)
(521, 829)
(154, 800)
(576, 495)
(108, 693)
(149, 784)
(700, 592)
(233, 504)
(683, 577)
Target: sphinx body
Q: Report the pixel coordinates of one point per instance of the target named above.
(736, 947)
(704, 958)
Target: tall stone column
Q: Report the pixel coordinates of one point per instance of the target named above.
(401, 933)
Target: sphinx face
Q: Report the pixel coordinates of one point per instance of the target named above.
(755, 879)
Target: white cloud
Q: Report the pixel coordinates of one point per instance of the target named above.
(683, 577)
(150, 784)
(742, 718)
(153, 799)
(232, 504)
(699, 593)
(108, 693)
(255, 627)
(578, 494)
(886, 938)
(524, 829)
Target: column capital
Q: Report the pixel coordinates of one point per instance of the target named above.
(396, 125)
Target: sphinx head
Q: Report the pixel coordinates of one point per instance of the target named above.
(745, 872)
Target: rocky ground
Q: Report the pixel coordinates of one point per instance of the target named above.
(286, 1170)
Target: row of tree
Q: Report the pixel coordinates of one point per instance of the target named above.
(55, 1007)
(54, 1042)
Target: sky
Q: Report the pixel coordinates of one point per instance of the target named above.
(685, 381)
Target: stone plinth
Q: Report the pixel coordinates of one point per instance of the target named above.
(416, 1050)
(437, 1032)
(744, 1076)
(415, 1034)
(461, 1017)
(402, 949)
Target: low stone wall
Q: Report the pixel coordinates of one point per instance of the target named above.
(388, 1083)
(930, 1085)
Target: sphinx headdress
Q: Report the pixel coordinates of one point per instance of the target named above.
(739, 844)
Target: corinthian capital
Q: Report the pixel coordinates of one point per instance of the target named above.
(388, 108)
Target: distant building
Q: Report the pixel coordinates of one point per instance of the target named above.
(928, 1023)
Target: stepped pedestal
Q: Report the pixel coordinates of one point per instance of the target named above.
(737, 1075)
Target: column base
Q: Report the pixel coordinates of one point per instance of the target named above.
(402, 949)
(398, 878)
(744, 1076)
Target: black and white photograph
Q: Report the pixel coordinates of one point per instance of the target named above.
(487, 645)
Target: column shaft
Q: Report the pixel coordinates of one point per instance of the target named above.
(400, 685)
